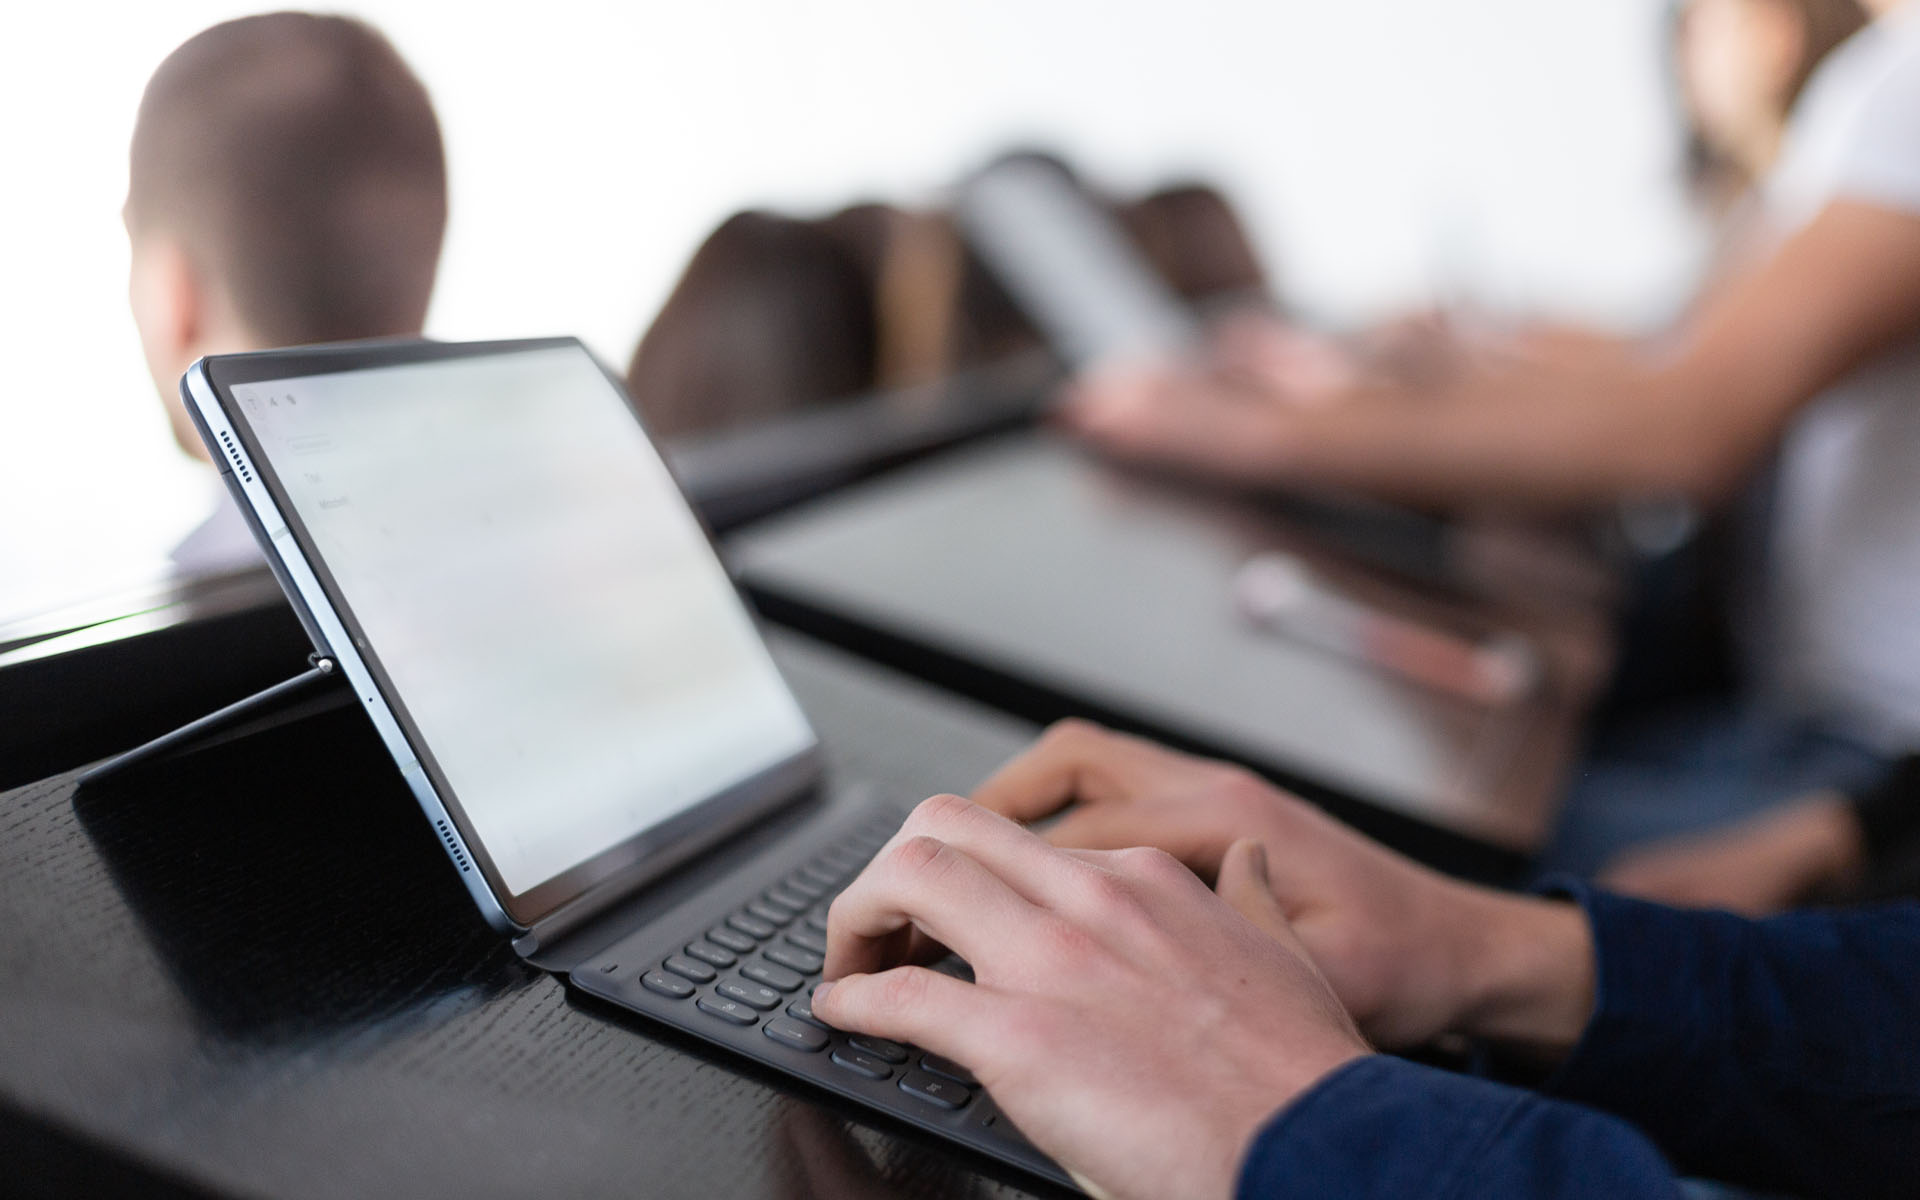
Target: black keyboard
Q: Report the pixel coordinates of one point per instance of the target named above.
(742, 974)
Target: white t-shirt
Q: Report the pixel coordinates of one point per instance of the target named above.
(1840, 627)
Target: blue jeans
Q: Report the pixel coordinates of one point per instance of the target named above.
(1690, 766)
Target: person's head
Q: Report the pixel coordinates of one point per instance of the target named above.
(1742, 65)
(771, 314)
(777, 313)
(1193, 235)
(287, 184)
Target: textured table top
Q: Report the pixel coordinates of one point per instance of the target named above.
(253, 972)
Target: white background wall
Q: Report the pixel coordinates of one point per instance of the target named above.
(1515, 153)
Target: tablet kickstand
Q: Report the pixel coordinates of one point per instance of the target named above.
(321, 668)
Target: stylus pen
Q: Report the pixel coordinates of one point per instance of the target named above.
(1282, 594)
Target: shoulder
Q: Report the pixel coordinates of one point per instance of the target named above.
(1856, 131)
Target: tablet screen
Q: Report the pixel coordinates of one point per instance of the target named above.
(548, 611)
(1070, 267)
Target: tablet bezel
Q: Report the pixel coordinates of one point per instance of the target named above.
(310, 585)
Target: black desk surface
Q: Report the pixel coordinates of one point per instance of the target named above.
(200, 992)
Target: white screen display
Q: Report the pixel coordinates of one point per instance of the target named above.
(547, 607)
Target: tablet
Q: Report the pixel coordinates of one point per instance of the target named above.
(487, 543)
(1070, 266)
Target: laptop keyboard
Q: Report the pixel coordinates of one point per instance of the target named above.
(742, 975)
(758, 968)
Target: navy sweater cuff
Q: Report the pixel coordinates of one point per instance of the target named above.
(1383, 1127)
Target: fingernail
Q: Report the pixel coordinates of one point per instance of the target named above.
(820, 990)
(1257, 859)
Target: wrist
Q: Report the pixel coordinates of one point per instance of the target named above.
(1244, 1128)
(1525, 975)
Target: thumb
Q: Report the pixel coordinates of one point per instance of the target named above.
(1245, 884)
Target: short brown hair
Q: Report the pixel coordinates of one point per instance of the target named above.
(772, 313)
(299, 161)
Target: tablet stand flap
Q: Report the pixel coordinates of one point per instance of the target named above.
(320, 669)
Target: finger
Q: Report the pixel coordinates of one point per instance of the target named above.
(923, 883)
(1117, 382)
(1207, 425)
(1073, 760)
(1247, 887)
(1106, 860)
(1102, 828)
(1119, 826)
(956, 1020)
(1297, 367)
(1019, 857)
(1120, 417)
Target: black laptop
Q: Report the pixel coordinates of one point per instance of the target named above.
(484, 541)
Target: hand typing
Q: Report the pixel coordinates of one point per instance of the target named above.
(1131, 1022)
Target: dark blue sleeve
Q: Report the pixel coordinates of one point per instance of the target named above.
(1382, 1127)
(1783, 1054)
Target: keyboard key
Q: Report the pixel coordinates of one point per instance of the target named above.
(799, 884)
(843, 860)
(762, 998)
(804, 961)
(893, 1052)
(949, 1068)
(818, 919)
(788, 899)
(861, 1064)
(667, 985)
(732, 939)
(825, 876)
(687, 968)
(772, 914)
(748, 923)
(808, 939)
(730, 1011)
(798, 1034)
(942, 1093)
(803, 1009)
(707, 952)
(773, 975)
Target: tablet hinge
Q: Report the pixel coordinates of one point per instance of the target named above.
(575, 933)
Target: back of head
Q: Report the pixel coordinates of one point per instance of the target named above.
(1193, 235)
(297, 162)
(772, 314)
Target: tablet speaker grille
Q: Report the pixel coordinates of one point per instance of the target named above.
(234, 455)
(453, 847)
